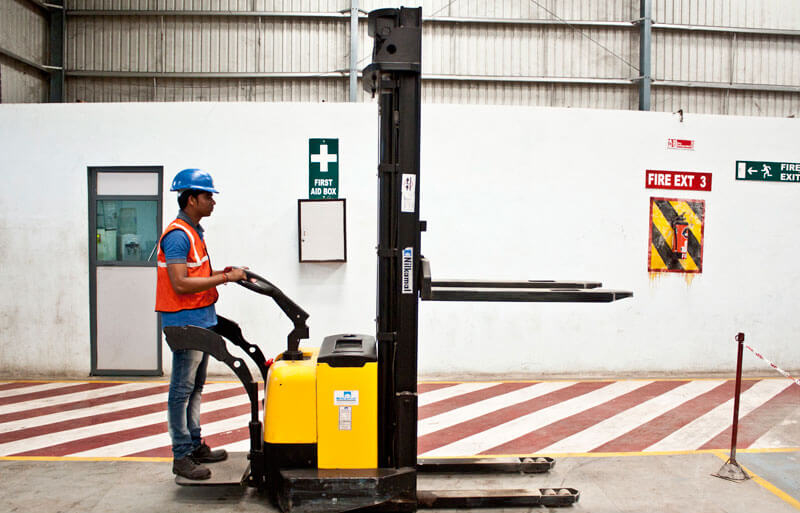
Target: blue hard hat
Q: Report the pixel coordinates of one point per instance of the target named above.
(193, 179)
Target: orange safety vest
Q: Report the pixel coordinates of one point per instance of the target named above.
(197, 265)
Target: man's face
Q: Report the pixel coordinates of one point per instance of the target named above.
(205, 204)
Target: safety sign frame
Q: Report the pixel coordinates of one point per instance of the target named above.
(323, 168)
(677, 235)
(765, 171)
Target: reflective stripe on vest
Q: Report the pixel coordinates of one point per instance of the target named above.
(197, 265)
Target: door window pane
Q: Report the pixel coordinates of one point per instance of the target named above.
(127, 184)
(126, 230)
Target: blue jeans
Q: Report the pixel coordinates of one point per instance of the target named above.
(183, 403)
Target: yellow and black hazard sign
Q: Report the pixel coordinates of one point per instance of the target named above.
(676, 235)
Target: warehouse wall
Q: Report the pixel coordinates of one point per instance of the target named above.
(508, 193)
(23, 32)
(708, 56)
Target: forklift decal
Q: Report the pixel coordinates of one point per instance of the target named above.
(676, 235)
(409, 192)
(408, 271)
(345, 418)
(345, 397)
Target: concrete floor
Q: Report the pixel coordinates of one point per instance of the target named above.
(611, 484)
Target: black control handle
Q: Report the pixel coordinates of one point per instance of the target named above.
(298, 316)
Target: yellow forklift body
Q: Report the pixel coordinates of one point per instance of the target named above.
(347, 416)
(290, 412)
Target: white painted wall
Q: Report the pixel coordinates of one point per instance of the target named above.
(509, 193)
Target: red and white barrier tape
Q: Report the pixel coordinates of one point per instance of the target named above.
(796, 381)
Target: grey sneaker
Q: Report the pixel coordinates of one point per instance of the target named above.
(204, 454)
(190, 469)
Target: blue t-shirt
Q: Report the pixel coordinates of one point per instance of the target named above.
(176, 247)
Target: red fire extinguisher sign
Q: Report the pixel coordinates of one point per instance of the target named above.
(680, 144)
(676, 235)
(679, 180)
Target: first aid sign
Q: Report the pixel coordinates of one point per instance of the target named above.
(323, 168)
(679, 180)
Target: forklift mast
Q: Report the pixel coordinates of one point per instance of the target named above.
(394, 76)
(403, 273)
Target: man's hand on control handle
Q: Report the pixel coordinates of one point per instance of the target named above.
(235, 273)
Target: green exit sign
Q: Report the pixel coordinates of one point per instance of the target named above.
(323, 168)
(767, 171)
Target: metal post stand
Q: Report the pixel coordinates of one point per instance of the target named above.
(731, 470)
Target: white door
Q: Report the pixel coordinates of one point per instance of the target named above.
(125, 224)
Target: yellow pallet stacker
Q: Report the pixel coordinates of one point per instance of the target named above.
(339, 430)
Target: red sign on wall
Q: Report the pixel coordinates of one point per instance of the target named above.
(680, 180)
(680, 144)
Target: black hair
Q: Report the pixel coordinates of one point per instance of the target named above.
(183, 197)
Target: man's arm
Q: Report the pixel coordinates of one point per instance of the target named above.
(183, 284)
(176, 246)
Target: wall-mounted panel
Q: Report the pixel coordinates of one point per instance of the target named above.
(604, 10)
(206, 44)
(529, 50)
(520, 93)
(691, 56)
(91, 89)
(775, 14)
(23, 30)
(726, 57)
(21, 84)
(304, 6)
(23, 33)
(721, 101)
(767, 60)
(114, 43)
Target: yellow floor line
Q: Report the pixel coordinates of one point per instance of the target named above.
(592, 380)
(89, 380)
(621, 454)
(717, 452)
(771, 449)
(764, 483)
(427, 382)
(76, 458)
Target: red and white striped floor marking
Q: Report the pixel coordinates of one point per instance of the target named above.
(756, 428)
(540, 438)
(98, 419)
(487, 406)
(162, 440)
(519, 426)
(559, 392)
(68, 394)
(449, 392)
(26, 446)
(697, 432)
(621, 423)
(96, 409)
(27, 388)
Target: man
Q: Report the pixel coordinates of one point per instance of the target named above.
(185, 296)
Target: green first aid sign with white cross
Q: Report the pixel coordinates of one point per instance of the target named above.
(323, 168)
